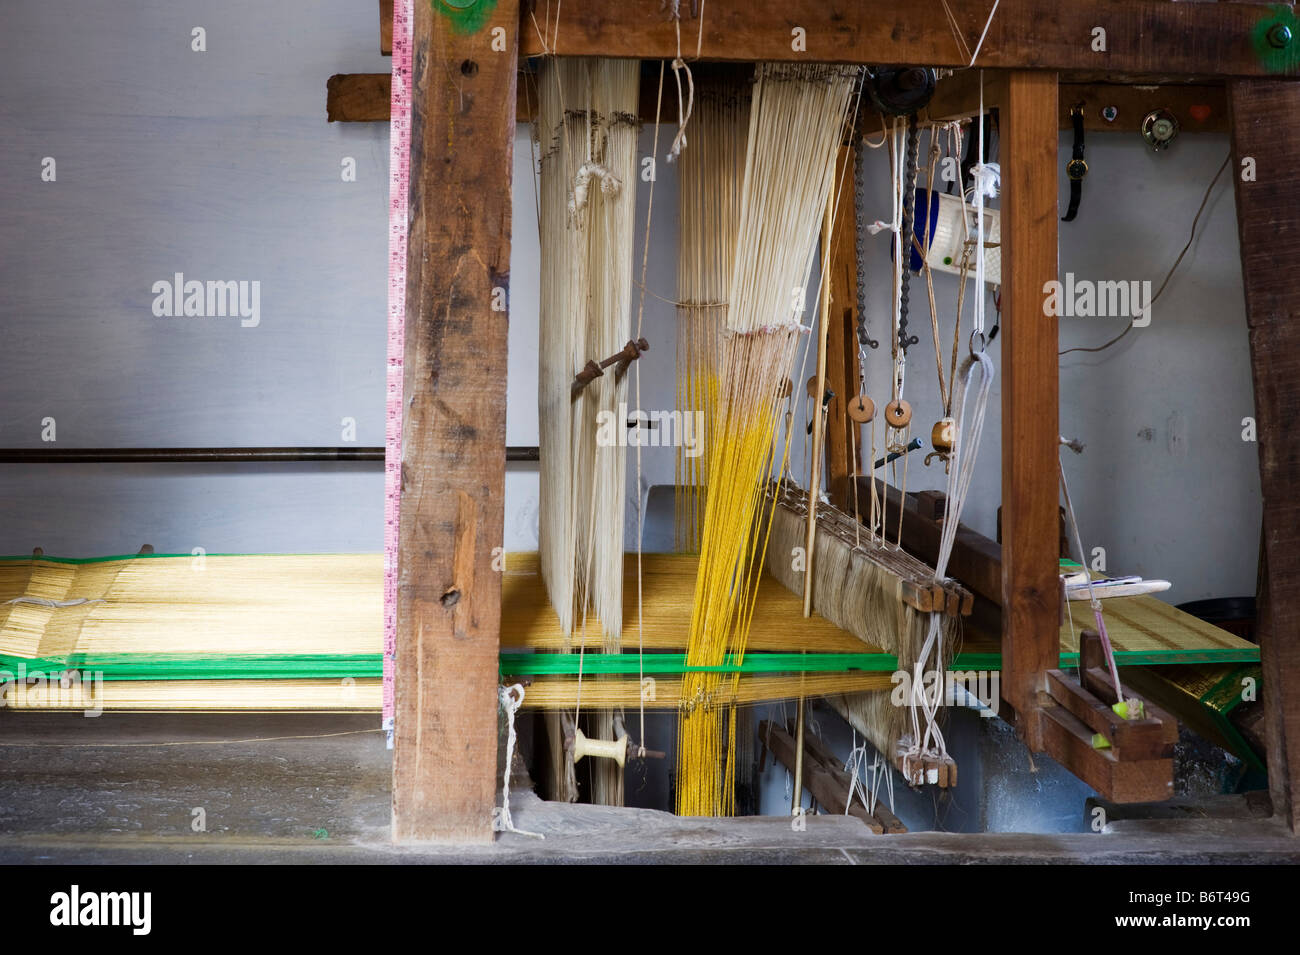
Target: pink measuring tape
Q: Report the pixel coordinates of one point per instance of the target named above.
(399, 183)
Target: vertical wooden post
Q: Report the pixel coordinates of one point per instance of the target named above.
(842, 435)
(1030, 424)
(1265, 117)
(453, 432)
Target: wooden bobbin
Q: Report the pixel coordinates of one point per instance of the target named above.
(862, 409)
(898, 413)
(613, 749)
(944, 434)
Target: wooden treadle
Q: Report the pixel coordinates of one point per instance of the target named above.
(1137, 765)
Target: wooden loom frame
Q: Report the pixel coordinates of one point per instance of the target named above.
(444, 770)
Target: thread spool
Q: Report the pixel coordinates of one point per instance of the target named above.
(862, 409)
(944, 434)
(898, 413)
(613, 749)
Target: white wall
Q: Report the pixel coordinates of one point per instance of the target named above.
(219, 165)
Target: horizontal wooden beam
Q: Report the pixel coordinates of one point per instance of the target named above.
(1198, 108)
(358, 97)
(364, 98)
(1141, 37)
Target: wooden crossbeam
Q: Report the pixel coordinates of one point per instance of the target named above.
(364, 98)
(1142, 37)
(358, 97)
(1199, 107)
(453, 427)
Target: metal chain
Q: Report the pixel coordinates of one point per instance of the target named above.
(908, 230)
(865, 340)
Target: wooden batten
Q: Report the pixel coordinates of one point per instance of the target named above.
(917, 586)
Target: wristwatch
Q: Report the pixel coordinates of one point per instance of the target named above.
(1076, 168)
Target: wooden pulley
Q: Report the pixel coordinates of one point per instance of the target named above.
(898, 413)
(787, 387)
(862, 409)
(944, 434)
(812, 387)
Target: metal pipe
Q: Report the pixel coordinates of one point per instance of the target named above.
(214, 455)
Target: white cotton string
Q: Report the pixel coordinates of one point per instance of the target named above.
(1092, 594)
(880, 772)
(684, 114)
(45, 602)
(878, 227)
(966, 442)
(974, 56)
(610, 185)
(898, 186)
(512, 697)
(854, 766)
(679, 67)
(541, 34)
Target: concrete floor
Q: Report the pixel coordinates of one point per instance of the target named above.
(315, 789)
